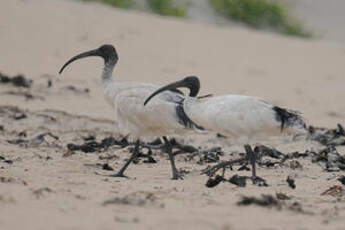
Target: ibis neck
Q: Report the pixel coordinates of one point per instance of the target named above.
(189, 105)
(108, 69)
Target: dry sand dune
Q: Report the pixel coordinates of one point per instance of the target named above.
(45, 188)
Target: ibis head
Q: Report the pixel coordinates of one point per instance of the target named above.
(190, 82)
(107, 52)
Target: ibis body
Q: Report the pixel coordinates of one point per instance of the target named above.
(163, 117)
(239, 117)
(236, 116)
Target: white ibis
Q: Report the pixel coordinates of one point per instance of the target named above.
(165, 116)
(240, 117)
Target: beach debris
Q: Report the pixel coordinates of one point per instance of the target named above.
(147, 156)
(68, 153)
(90, 145)
(41, 191)
(34, 141)
(4, 179)
(18, 80)
(327, 137)
(107, 167)
(295, 164)
(342, 179)
(263, 150)
(3, 159)
(2, 128)
(282, 196)
(140, 198)
(126, 220)
(294, 155)
(240, 181)
(244, 168)
(23, 133)
(211, 155)
(259, 182)
(210, 171)
(19, 116)
(264, 201)
(77, 90)
(291, 182)
(49, 83)
(333, 161)
(335, 190)
(108, 157)
(213, 182)
(26, 95)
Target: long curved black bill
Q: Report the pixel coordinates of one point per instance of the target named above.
(79, 56)
(173, 86)
(190, 82)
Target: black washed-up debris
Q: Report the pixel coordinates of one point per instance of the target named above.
(34, 141)
(76, 90)
(89, 138)
(19, 116)
(294, 155)
(331, 159)
(342, 179)
(326, 136)
(210, 155)
(262, 150)
(268, 163)
(291, 182)
(264, 201)
(282, 196)
(6, 160)
(213, 182)
(244, 168)
(240, 181)
(107, 167)
(91, 145)
(19, 80)
(261, 182)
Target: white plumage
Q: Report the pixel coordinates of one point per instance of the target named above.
(236, 116)
(159, 119)
(239, 117)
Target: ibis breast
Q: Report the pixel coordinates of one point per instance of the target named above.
(158, 118)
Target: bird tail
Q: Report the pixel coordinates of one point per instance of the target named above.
(289, 119)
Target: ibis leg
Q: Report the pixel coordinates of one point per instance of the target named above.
(135, 154)
(175, 173)
(252, 159)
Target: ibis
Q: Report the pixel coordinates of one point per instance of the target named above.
(240, 117)
(164, 117)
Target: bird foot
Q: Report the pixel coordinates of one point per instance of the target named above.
(118, 175)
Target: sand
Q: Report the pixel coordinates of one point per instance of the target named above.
(38, 36)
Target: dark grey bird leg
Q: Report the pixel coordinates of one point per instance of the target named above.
(175, 173)
(135, 154)
(252, 159)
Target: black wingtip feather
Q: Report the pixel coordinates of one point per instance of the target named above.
(185, 120)
(287, 118)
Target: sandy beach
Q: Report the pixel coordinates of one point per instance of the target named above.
(43, 185)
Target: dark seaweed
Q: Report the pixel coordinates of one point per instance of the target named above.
(18, 81)
(291, 182)
(264, 201)
(213, 182)
(240, 181)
